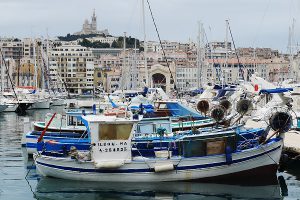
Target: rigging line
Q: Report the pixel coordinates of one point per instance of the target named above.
(6, 67)
(164, 54)
(237, 56)
(260, 24)
(217, 73)
(28, 181)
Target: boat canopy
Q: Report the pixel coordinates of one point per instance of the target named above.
(276, 90)
(178, 109)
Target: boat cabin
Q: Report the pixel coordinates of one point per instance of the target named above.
(110, 139)
(73, 117)
(209, 143)
(148, 126)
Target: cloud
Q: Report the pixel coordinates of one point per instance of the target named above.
(256, 22)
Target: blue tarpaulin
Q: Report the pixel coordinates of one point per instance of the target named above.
(276, 90)
(178, 109)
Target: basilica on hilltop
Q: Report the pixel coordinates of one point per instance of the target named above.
(91, 27)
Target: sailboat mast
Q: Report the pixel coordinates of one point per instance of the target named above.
(42, 67)
(291, 42)
(199, 55)
(35, 66)
(123, 70)
(145, 44)
(226, 54)
(134, 71)
(2, 74)
(29, 73)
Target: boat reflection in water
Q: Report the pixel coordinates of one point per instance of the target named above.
(52, 188)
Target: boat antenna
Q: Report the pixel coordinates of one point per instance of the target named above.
(6, 67)
(163, 50)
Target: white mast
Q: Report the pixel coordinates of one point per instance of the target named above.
(199, 55)
(2, 73)
(145, 45)
(35, 66)
(42, 66)
(291, 70)
(47, 61)
(289, 48)
(123, 74)
(211, 55)
(134, 71)
(226, 55)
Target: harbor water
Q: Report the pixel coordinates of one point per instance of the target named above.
(20, 180)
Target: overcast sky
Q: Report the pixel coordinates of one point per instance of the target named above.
(256, 23)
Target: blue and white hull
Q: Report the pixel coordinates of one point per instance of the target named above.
(258, 160)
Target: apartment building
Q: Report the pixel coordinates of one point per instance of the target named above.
(73, 65)
(12, 48)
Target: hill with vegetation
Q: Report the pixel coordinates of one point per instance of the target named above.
(130, 42)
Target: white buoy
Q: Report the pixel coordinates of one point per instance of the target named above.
(164, 167)
(108, 164)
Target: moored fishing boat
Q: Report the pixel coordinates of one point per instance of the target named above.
(58, 132)
(110, 158)
(144, 141)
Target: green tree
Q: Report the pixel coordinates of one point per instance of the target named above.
(85, 42)
(114, 45)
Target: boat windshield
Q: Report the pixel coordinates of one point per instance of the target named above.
(114, 131)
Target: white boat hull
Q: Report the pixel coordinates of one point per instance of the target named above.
(44, 104)
(262, 160)
(87, 103)
(2, 107)
(11, 108)
(58, 102)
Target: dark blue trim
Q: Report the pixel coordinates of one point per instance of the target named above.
(151, 170)
(276, 90)
(31, 145)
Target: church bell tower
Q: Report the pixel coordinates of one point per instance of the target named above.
(94, 22)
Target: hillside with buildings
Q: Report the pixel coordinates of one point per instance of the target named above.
(91, 59)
